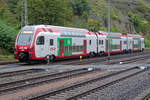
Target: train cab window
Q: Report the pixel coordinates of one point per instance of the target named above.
(51, 42)
(40, 40)
(90, 42)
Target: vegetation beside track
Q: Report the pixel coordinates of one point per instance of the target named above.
(6, 55)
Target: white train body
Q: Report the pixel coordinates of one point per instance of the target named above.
(41, 41)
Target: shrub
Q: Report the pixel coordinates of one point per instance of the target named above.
(147, 43)
(7, 36)
(80, 6)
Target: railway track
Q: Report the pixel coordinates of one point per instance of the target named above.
(86, 87)
(28, 71)
(34, 81)
(82, 62)
(105, 61)
(20, 72)
(130, 60)
(147, 97)
(73, 61)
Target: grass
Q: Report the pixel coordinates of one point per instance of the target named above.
(7, 57)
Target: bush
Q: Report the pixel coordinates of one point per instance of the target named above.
(80, 6)
(142, 7)
(93, 25)
(114, 28)
(51, 12)
(7, 36)
(147, 43)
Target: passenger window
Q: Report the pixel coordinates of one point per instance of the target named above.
(66, 49)
(40, 40)
(125, 42)
(51, 42)
(90, 42)
(100, 42)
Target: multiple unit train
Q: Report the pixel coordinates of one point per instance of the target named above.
(40, 42)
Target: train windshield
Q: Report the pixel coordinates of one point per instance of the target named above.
(26, 36)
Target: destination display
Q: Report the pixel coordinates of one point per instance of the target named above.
(28, 32)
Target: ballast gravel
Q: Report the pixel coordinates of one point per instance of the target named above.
(124, 90)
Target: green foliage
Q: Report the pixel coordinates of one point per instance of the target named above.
(6, 14)
(55, 12)
(93, 25)
(142, 6)
(80, 6)
(91, 14)
(12, 5)
(137, 21)
(114, 29)
(147, 43)
(79, 22)
(7, 36)
(140, 25)
(5, 55)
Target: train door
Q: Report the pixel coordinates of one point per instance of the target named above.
(130, 46)
(61, 43)
(85, 46)
(133, 45)
(127, 44)
(140, 44)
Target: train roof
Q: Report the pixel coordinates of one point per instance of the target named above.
(111, 34)
(84, 31)
(60, 28)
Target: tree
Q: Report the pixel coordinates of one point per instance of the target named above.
(55, 12)
(93, 25)
(80, 7)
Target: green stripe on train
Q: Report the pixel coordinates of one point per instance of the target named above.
(139, 42)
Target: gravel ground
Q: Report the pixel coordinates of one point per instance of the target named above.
(86, 87)
(46, 87)
(125, 90)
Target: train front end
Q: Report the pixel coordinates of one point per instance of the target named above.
(23, 50)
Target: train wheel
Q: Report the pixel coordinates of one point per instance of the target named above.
(49, 58)
(52, 58)
(90, 55)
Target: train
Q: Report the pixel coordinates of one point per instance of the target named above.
(48, 42)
